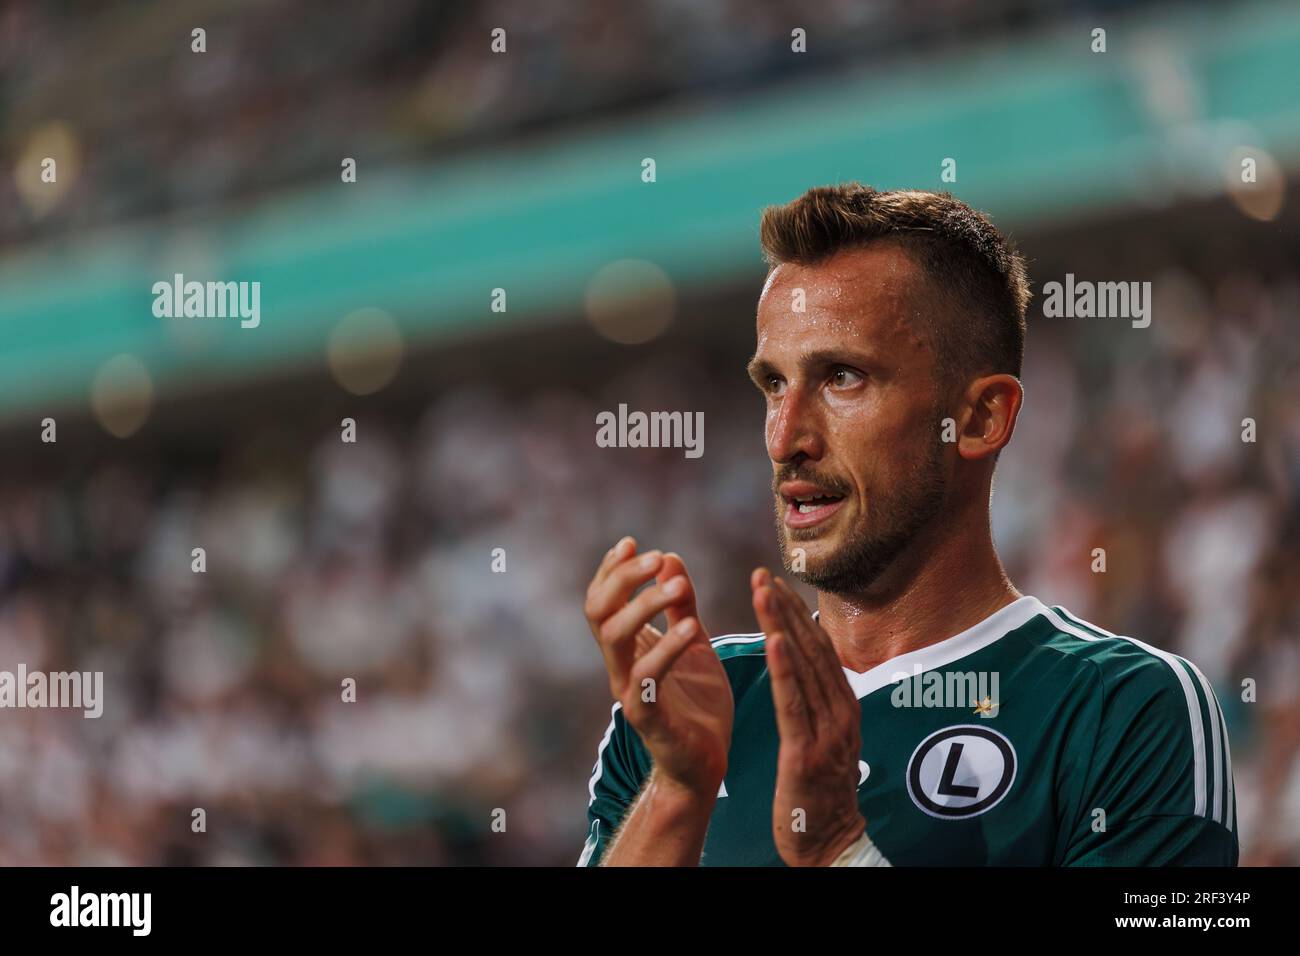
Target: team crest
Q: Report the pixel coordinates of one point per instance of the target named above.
(960, 772)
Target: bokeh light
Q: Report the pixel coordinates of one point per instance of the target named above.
(631, 301)
(52, 140)
(365, 350)
(121, 396)
(1263, 198)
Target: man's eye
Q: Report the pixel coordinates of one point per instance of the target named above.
(845, 377)
(774, 384)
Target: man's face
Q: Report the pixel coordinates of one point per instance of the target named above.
(853, 413)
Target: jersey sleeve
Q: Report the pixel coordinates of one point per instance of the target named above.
(1157, 790)
(621, 767)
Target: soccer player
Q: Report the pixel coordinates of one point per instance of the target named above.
(927, 713)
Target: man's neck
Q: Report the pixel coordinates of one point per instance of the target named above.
(955, 582)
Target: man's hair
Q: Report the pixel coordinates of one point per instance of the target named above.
(976, 272)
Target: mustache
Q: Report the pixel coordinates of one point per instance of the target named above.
(828, 482)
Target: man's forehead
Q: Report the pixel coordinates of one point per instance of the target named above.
(881, 270)
(872, 290)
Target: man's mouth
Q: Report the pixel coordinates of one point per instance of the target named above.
(808, 505)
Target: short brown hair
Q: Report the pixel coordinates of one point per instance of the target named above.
(975, 270)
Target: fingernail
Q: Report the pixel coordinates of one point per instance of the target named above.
(648, 561)
(686, 627)
(675, 587)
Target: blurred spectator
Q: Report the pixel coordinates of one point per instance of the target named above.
(287, 88)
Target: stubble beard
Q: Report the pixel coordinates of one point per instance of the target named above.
(883, 534)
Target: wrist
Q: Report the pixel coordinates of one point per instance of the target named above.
(862, 852)
(666, 827)
(848, 838)
(673, 821)
(681, 798)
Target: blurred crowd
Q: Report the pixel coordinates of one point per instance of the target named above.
(476, 689)
(480, 696)
(287, 88)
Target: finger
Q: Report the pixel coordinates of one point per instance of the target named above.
(624, 548)
(608, 595)
(672, 567)
(788, 699)
(656, 662)
(792, 721)
(807, 664)
(764, 609)
(815, 647)
(784, 621)
(640, 611)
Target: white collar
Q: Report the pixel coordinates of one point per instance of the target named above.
(992, 628)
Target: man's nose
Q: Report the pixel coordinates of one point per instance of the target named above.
(794, 429)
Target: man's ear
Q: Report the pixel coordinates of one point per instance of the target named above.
(990, 406)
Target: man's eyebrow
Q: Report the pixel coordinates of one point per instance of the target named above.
(846, 356)
(759, 370)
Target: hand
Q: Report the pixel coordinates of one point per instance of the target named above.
(815, 815)
(672, 686)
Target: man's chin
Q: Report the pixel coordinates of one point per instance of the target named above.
(808, 554)
(830, 577)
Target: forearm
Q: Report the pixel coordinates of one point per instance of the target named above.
(665, 827)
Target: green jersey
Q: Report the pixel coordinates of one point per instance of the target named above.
(1032, 738)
